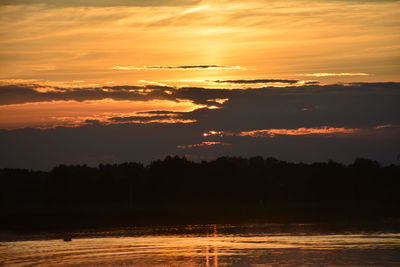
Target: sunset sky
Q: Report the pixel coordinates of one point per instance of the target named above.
(94, 81)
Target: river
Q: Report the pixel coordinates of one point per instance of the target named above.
(205, 245)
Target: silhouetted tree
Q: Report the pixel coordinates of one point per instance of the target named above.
(176, 181)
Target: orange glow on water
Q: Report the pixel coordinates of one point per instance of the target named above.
(211, 248)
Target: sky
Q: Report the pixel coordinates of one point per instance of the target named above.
(101, 81)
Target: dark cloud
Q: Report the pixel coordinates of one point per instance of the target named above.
(195, 67)
(258, 81)
(139, 118)
(24, 93)
(360, 105)
(100, 3)
(93, 144)
(130, 87)
(311, 82)
(93, 122)
(335, 105)
(19, 94)
(161, 112)
(184, 67)
(352, 106)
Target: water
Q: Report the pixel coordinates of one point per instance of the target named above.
(206, 245)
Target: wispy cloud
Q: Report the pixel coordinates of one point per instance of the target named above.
(268, 133)
(195, 9)
(299, 131)
(146, 117)
(327, 74)
(85, 43)
(256, 81)
(203, 144)
(184, 67)
(386, 126)
(219, 100)
(100, 3)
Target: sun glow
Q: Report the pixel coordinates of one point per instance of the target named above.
(196, 9)
(99, 44)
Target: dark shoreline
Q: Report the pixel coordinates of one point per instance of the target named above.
(351, 216)
(372, 227)
(176, 191)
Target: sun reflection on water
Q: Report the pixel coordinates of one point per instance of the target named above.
(210, 246)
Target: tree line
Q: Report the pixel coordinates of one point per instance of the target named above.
(177, 180)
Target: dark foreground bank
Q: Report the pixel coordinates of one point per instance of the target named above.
(178, 191)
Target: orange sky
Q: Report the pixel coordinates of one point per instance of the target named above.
(73, 113)
(260, 39)
(206, 43)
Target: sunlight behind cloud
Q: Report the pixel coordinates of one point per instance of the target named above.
(74, 113)
(270, 133)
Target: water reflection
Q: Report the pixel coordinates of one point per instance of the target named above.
(209, 245)
(212, 251)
